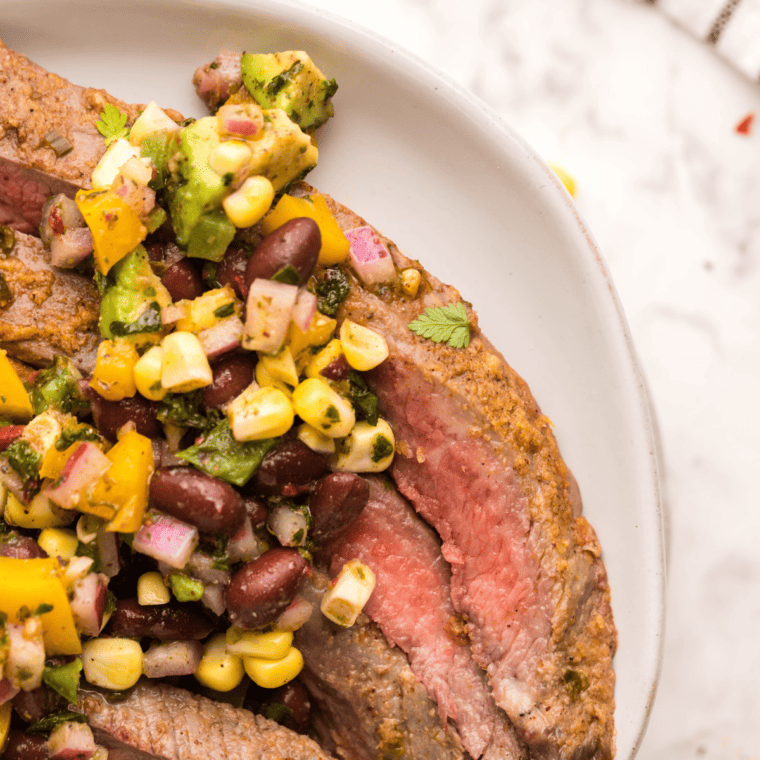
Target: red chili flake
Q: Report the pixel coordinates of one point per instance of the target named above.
(56, 223)
(744, 127)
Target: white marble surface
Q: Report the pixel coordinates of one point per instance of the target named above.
(643, 115)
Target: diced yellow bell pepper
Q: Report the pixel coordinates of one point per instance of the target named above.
(28, 583)
(335, 245)
(124, 488)
(319, 332)
(38, 514)
(116, 229)
(114, 374)
(201, 311)
(14, 400)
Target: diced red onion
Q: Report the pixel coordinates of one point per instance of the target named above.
(240, 119)
(201, 566)
(7, 690)
(26, 653)
(172, 658)
(77, 567)
(165, 457)
(8, 435)
(108, 551)
(369, 256)
(11, 480)
(295, 616)
(88, 603)
(221, 337)
(268, 313)
(213, 598)
(69, 249)
(305, 309)
(243, 546)
(166, 539)
(71, 741)
(85, 467)
(288, 525)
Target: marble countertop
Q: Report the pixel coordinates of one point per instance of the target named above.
(644, 116)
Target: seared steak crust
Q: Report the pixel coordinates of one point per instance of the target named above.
(479, 461)
(177, 725)
(50, 311)
(33, 102)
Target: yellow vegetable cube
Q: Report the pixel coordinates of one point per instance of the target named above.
(148, 374)
(39, 513)
(185, 367)
(320, 331)
(335, 245)
(271, 674)
(58, 542)
(114, 375)
(201, 311)
(323, 408)
(281, 366)
(28, 583)
(14, 400)
(267, 380)
(116, 229)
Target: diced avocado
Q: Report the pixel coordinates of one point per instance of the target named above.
(195, 188)
(292, 82)
(131, 305)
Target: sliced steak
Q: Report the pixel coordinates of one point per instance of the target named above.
(50, 311)
(412, 606)
(118, 750)
(33, 103)
(175, 724)
(478, 460)
(368, 703)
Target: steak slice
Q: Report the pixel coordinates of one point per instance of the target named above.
(412, 606)
(34, 102)
(49, 311)
(368, 703)
(175, 724)
(478, 460)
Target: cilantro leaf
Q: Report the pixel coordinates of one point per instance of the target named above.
(112, 123)
(444, 324)
(64, 679)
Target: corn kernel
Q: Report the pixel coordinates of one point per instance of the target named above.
(367, 448)
(565, 177)
(322, 407)
(364, 348)
(267, 380)
(202, 311)
(410, 281)
(259, 413)
(139, 170)
(326, 356)
(114, 375)
(314, 439)
(319, 332)
(272, 645)
(152, 119)
(218, 669)
(151, 589)
(44, 430)
(114, 664)
(281, 366)
(271, 674)
(58, 542)
(249, 202)
(39, 513)
(184, 366)
(348, 593)
(117, 154)
(148, 374)
(229, 157)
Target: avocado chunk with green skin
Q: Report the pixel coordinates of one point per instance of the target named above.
(133, 299)
(292, 82)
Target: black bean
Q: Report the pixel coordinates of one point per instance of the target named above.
(336, 501)
(212, 505)
(295, 699)
(231, 271)
(36, 704)
(337, 369)
(289, 465)
(295, 244)
(22, 746)
(231, 376)
(183, 281)
(109, 416)
(165, 622)
(257, 511)
(263, 589)
(20, 547)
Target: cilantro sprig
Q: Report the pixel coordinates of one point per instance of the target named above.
(441, 324)
(112, 123)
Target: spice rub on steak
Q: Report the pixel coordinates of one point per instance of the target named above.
(175, 724)
(412, 606)
(478, 460)
(46, 311)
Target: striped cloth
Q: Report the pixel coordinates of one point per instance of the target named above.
(731, 26)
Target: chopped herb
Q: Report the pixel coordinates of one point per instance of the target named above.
(112, 123)
(221, 456)
(184, 410)
(288, 275)
(148, 322)
(49, 722)
(7, 239)
(575, 683)
(444, 324)
(57, 387)
(185, 588)
(276, 83)
(225, 310)
(110, 604)
(91, 551)
(332, 291)
(43, 609)
(276, 711)
(364, 401)
(209, 275)
(64, 679)
(381, 448)
(6, 294)
(60, 145)
(332, 414)
(73, 435)
(25, 461)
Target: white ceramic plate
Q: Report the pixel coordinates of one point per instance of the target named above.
(438, 173)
